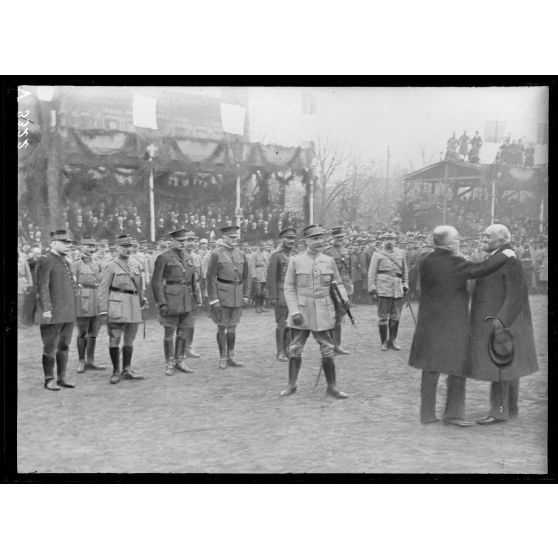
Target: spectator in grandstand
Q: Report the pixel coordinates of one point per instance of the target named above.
(464, 145)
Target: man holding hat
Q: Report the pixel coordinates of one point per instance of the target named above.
(176, 290)
(502, 297)
(311, 309)
(258, 269)
(121, 298)
(87, 273)
(56, 308)
(343, 262)
(228, 289)
(388, 279)
(276, 271)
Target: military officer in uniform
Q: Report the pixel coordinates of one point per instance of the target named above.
(176, 290)
(87, 273)
(102, 255)
(56, 308)
(121, 298)
(275, 279)
(311, 309)
(228, 292)
(388, 279)
(343, 262)
(258, 269)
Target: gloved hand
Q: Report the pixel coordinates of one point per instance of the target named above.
(144, 303)
(297, 319)
(509, 253)
(273, 302)
(373, 293)
(405, 289)
(47, 315)
(245, 302)
(163, 309)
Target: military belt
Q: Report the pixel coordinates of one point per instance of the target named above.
(88, 286)
(229, 282)
(260, 265)
(176, 282)
(123, 290)
(392, 273)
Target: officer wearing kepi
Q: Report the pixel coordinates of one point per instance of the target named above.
(311, 309)
(56, 308)
(228, 288)
(388, 278)
(343, 262)
(121, 298)
(276, 271)
(176, 290)
(87, 273)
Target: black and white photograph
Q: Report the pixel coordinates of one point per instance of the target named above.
(272, 280)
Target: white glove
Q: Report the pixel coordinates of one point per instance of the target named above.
(509, 253)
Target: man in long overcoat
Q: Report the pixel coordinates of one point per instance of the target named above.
(440, 339)
(502, 295)
(56, 308)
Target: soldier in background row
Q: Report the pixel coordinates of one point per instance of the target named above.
(87, 273)
(121, 296)
(276, 271)
(176, 290)
(342, 259)
(257, 264)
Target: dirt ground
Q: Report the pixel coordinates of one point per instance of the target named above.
(234, 421)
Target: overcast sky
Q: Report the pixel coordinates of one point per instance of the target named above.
(407, 119)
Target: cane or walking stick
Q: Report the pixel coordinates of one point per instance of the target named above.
(412, 312)
(319, 374)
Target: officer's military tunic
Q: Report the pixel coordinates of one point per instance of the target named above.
(120, 294)
(87, 273)
(175, 282)
(228, 283)
(307, 292)
(387, 275)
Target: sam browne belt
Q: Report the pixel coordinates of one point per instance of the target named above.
(229, 282)
(392, 273)
(123, 290)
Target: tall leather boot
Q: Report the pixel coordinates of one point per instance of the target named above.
(127, 372)
(90, 361)
(337, 339)
(189, 340)
(61, 365)
(179, 358)
(222, 344)
(231, 360)
(115, 359)
(169, 359)
(48, 369)
(329, 373)
(287, 336)
(383, 335)
(294, 367)
(81, 344)
(393, 327)
(279, 342)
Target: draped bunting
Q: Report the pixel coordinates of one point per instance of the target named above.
(124, 149)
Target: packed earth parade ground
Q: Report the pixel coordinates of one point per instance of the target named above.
(234, 421)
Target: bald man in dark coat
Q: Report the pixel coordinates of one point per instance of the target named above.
(440, 339)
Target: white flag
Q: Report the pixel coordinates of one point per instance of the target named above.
(232, 118)
(144, 112)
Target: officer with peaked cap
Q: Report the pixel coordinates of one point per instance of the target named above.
(56, 308)
(121, 298)
(257, 265)
(87, 273)
(311, 309)
(228, 292)
(343, 262)
(176, 290)
(275, 279)
(388, 279)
